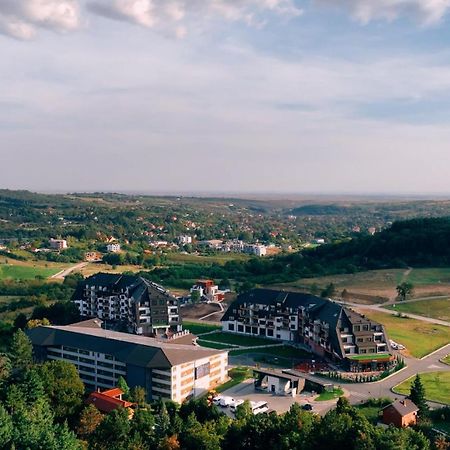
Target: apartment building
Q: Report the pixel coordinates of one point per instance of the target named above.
(165, 369)
(329, 329)
(128, 302)
(113, 247)
(58, 244)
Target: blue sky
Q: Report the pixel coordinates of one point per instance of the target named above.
(225, 95)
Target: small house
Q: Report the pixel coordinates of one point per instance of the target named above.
(401, 413)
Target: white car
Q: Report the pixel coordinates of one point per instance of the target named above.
(217, 399)
(226, 401)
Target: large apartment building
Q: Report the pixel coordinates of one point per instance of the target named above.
(165, 369)
(130, 302)
(327, 328)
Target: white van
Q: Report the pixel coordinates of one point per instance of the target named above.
(259, 407)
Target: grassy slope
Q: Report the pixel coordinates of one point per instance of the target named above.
(237, 375)
(26, 272)
(199, 328)
(248, 341)
(437, 309)
(420, 338)
(436, 384)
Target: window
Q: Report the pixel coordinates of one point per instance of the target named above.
(356, 328)
(240, 328)
(231, 326)
(359, 340)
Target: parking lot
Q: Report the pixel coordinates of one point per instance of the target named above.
(278, 403)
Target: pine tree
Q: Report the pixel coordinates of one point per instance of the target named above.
(417, 396)
(122, 384)
(21, 351)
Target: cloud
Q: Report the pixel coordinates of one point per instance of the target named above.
(173, 15)
(426, 11)
(20, 19)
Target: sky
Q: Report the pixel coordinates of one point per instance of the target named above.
(282, 96)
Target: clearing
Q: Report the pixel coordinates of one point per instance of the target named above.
(378, 286)
(436, 384)
(434, 308)
(419, 338)
(29, 270)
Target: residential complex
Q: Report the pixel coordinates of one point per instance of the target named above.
(128, 302)
(165, 369)
(327, 328)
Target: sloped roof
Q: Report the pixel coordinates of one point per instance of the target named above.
(140, 351)
(403, 407)
(272, 297)
(105, 402)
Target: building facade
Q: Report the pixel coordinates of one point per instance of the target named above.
(166, 370)
(58, 244)
(129, 302)
(327, 328)
(114, 247)
(401, 413)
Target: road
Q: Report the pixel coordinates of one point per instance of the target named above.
(380, 308)
(63, 273)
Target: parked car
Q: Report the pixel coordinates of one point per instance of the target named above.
(226, 401)
(307, 407)
(235, 404)
(217, 399)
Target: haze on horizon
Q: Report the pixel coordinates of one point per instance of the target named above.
(284, 96)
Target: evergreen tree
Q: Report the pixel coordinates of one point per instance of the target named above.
(122, 384)
(417, 396)
(21, 350)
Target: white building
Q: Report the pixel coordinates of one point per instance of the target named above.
(256, 249)
(58, 244)
(185, 239)
(114, 247)
(166, 370)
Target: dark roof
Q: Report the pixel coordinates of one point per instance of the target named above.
(273, 297)
(403, 407)
(128, 348)
(139, 288)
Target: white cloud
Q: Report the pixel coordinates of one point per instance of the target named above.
(426, 11)
(21, 18)
(168, 14)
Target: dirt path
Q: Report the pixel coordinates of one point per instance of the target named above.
(63, 273)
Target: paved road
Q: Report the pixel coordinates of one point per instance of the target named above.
(61, 275)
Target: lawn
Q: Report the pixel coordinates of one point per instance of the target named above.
(215, 345)
(245, 341)
(329, 395)
(283, 352)
(419, 338)
(446, 360)
(436, 384)
(199, 328)
(237, 375)
(437, 275)
(369, 356)
(437, 309)
(26, 272)
(371, 409)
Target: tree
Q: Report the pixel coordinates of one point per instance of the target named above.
(138, 395)
(113, 432)
(243, 411)
(21, 351)
(90, 419)
(63, 387)
(6, 427)
(169, 443)
(122, 384)
(20, 321)
(195, 296)
(329, 291)
(5, 367)
(417, 396)
(33, 323)
(405, 290)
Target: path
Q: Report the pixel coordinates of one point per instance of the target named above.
(63, 273)
(380, 308)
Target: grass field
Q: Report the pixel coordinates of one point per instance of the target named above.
(215, 345)
(419, 338)
(437, 309)
(436, 384)
(237, 375)
(372, 408)
(27, 271)
(93, 268)
(376, 286)
(283, 352)
(446, 360)
(247, 341)
(199, 328)
(329, 395)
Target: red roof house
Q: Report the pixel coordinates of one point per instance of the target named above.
(109, 400)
